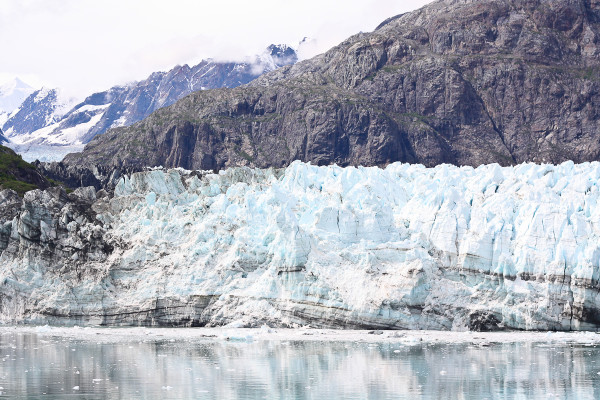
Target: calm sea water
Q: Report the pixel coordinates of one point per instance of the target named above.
(46, 367)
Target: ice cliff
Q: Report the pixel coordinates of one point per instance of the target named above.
(401, 247)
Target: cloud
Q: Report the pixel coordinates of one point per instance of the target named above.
(87, 45)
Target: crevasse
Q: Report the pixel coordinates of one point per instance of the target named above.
(405, 247)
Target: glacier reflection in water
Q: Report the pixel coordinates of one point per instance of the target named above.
(33, 366)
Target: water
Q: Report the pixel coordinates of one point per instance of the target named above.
(47, 367)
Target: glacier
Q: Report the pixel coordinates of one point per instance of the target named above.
(401, 247)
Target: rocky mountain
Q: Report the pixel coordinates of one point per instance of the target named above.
(52, 136)
(12, 95)
(465, 82)
(44, 107)
(405, 247)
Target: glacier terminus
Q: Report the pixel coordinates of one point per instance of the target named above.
(401, 247)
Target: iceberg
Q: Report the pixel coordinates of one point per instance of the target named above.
(401, 247)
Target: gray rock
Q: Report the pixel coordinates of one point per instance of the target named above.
(97, 176)
(462, 82)
(125, 105)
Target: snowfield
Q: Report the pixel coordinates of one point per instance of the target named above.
(405, 247)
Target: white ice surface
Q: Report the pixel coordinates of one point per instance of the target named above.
(404, 246)
(372, 235)
(42, 152)
(3, 117)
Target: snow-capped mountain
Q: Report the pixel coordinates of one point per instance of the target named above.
(12, 94)
(31, 124)
(39, 131)
(40, 109)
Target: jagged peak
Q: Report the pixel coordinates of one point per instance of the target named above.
(43, 93)
(276, 56)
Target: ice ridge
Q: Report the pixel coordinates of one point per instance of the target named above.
(404, 247)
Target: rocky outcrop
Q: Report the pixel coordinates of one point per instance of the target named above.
(461, 82)
(402, 248)
(97, 176)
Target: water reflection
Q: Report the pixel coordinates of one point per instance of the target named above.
(35, 366)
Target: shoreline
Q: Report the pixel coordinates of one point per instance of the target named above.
(224, 334)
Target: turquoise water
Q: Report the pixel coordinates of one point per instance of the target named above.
(46, 367)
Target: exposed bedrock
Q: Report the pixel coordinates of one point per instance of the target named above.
(465, 82)
(404, 247)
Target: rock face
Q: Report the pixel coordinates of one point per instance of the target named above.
(402, 247)
(464, 82)
(98, 176)
(38, 132)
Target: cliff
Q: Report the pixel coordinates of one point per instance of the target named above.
(404, 247)
(460, 82)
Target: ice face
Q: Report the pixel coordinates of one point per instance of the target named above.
(400, 247)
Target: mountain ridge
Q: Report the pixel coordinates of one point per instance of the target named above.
(36, 131)
(455, 82)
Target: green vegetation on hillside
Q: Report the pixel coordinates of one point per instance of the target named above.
(17, 174)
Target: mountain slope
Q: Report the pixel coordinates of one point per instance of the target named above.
(40, 109)
(462, 82)
(119, 106)
(17, 174)
(127, 105)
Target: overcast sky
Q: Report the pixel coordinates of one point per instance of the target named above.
(83, 46)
